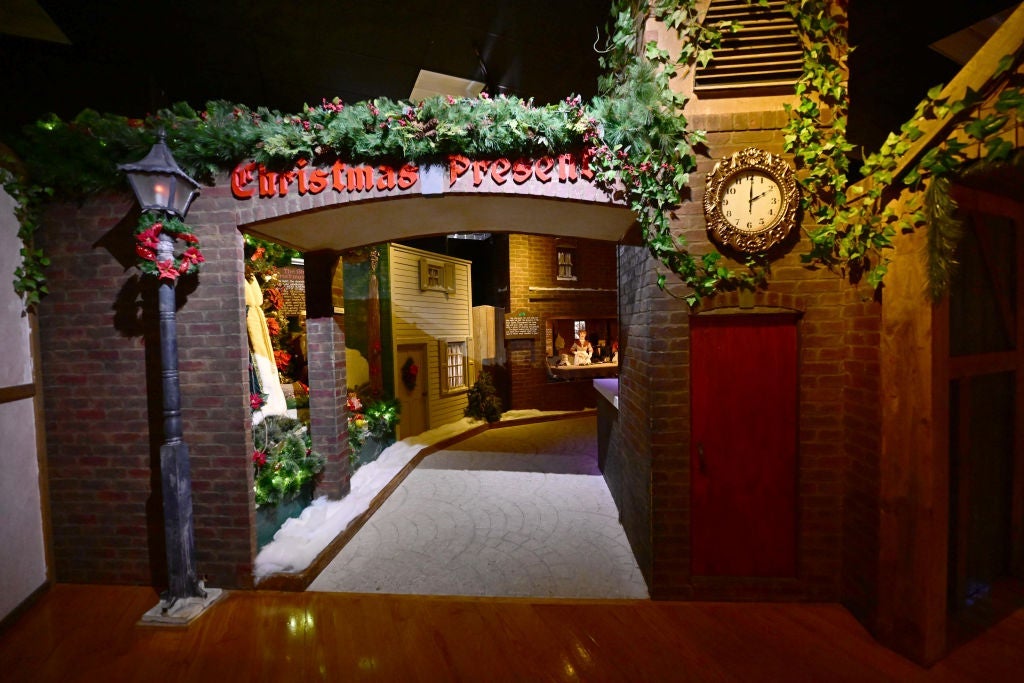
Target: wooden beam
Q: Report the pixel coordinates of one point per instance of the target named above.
(914, 476)
(976, 75)
(17, 393)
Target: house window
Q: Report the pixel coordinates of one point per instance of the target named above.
(436, 276)
(577, 327)
(454, 365)
(566, 263)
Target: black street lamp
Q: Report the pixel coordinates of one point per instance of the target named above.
(162, 186)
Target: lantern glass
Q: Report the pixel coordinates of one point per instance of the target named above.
(159, 183)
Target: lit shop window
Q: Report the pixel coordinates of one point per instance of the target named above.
(455, 366)
(566, 263)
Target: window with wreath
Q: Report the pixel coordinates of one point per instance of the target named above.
(454, 365)
(566, 262)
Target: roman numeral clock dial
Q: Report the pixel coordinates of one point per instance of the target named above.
(751, 200)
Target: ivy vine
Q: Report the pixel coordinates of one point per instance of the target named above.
(853, 224)
(635, 131)
(29, 200)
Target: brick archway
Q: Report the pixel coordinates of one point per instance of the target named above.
(557, 201)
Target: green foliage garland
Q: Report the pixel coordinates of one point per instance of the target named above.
(855, 224)
(635, 131)
(646, 142)
(30, 276)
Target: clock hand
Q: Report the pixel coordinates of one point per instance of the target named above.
(759, 196)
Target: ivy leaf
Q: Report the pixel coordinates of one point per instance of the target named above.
(1011, 98)
(979, 129)
(1005, 62)
(998, 149)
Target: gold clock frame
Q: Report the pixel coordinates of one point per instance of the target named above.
(755, 241)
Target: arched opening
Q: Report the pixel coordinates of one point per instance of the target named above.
(500, 279)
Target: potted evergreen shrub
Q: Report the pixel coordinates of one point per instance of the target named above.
(285, 472)
(484, 403)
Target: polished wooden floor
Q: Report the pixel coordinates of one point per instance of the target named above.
(90, 633)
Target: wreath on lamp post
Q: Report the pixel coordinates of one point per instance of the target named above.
(147, 239)
(410, 371)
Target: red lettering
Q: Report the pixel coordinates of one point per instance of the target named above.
(283, 181)
(585, 170)
(360, 178)
(479, 171)
(407, 176)
(457, 165)
(387, 178)
(300, 176)
(499, 170)
(251, 179)
(336, 171)
(241, 177)
(542, 168)
(268, 182)
(318, 181)
(566, 167)
(521, 171)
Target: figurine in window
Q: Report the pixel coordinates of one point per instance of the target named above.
(581, 350)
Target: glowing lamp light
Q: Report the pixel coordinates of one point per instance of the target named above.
(159, 183)
(161, 193)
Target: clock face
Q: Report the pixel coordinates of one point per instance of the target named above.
(751, 200)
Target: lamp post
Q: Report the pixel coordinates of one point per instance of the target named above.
(161, 186)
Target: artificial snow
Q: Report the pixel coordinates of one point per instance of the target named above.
(301, 539)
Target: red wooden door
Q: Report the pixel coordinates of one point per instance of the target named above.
(743, 375)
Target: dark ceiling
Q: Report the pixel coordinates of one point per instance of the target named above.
(131, 57)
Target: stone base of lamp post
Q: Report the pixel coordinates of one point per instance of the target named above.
(183, 611)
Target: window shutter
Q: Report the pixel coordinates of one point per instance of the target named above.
(449, 277)
(764, 55)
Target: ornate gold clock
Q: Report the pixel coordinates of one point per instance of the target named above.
(751, 200)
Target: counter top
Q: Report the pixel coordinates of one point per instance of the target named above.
(608, 388)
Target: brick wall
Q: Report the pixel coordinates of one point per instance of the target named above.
(533, 263)
(835, 342)
(101, 387)
(628, 465)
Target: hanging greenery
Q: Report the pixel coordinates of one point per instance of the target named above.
(854, 224)
(635, 132)
(646, 141)
(29, 199)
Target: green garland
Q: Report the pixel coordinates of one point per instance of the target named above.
(647, 143)
(854, 224)
(635, 130)
(29, 199)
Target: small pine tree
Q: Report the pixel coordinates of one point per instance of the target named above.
(484, 403)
